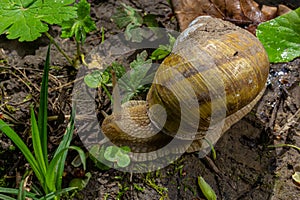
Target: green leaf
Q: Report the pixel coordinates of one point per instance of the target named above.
(281, 37)
(123, 160)
(22, 191)
(26, 19)
(43, 109)
(36, 141)
(5, 197)
(118, 68)
(54, 195)
(64, 144)
(80, 183)
(150, 20)
(58, 160)
(133, 82)
(96, 154)
(207, 191)
(163, 50)
(94, 79)
(81, 25)
(127, 15)
(24, 149)
(117, 155)
(110, 153)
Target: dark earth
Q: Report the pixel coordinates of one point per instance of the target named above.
(245, 168)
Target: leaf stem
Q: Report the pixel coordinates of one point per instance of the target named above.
(59, 49)
(107, 92)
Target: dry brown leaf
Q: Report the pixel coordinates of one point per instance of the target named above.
(282, 9)
(245, 13)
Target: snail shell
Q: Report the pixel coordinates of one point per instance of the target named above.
(214, 76)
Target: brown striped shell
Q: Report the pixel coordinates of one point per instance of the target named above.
(214, 76)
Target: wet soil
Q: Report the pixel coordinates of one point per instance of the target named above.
(245, 168)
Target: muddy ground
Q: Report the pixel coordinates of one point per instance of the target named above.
(245, 168)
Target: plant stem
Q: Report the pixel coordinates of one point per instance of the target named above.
(59, 49)
(285, 145)
(107, 92)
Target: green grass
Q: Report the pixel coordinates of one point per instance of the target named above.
(48, 173)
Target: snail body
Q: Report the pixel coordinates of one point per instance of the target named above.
(214, 76)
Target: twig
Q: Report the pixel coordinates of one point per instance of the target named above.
(59, 49)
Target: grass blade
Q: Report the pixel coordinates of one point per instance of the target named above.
(21, 193)
(64, 144)
(51, 176)
(4, 127)
(4, 197)
(43, 109)
(55, 194)
(38, 151)
(15, 192)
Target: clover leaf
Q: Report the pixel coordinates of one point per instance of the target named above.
(26, 19)
(81, 25)
(96, 79)
(117, 155)
(281, 37)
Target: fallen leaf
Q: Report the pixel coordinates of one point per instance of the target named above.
(246, 13)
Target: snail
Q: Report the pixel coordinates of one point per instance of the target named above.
(214, 76)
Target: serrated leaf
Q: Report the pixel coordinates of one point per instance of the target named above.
(140, 60)
(81, 25)
(134, 81)
(134, 33)
(127, 15)
(281, 37)
(25, 19)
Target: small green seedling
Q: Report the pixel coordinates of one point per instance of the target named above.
(163, 191)
(207, 191)
(280, 37)
(132, 83)
(133, 19)
(79, 26)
